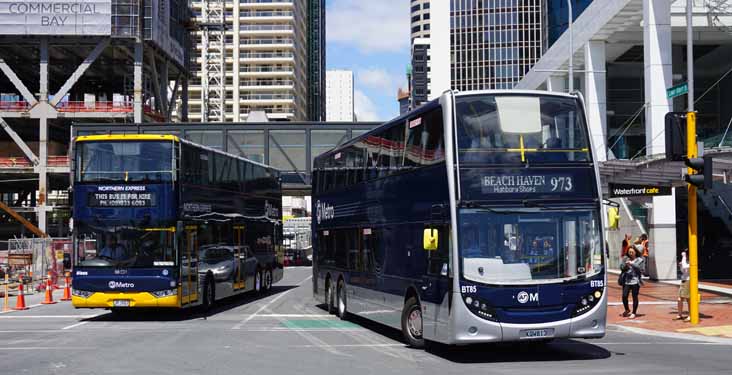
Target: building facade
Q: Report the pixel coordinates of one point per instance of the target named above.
(420, 14)
(629, 53)
(339, 95)
(316, 60)
(252, 56)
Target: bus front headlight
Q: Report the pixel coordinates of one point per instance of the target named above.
(165, 293)
(81, 293)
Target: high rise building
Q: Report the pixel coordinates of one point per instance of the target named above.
(420, 11)
(482, 44)
(316, 60)
(339, 95)
(252, 56)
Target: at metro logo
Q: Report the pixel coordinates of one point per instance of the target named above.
(118, 284)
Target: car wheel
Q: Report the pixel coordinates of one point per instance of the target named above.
(412, 323)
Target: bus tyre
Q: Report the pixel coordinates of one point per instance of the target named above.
(412, 323)
(258, 281)
(267, 280)
(341, 306)
(209, 293)
(329, 297)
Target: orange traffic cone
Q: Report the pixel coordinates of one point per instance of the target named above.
(67, 289)
(20, 299)
(49, 292)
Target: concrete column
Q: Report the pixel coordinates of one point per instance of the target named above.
(184, 100)
(556, 83)
(657, 61)
(43, 138)
(235, 69)
(137, 101)
(595, 96)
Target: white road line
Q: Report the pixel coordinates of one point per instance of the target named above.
(250, 317)
(349, 346)
(49, 316)
(47, 348)
(75, 325)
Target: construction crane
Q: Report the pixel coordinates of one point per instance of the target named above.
(213, 60)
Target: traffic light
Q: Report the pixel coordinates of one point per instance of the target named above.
(702, 179)
(675, 129)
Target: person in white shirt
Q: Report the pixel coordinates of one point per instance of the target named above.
(683, 288)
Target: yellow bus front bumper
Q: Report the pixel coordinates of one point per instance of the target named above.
(138, 299)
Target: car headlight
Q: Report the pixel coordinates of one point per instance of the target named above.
(81, 293)
(165, 293)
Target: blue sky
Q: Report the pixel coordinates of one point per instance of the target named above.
(371, 38)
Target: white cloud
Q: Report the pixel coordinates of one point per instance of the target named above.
(380, 79)
(364, 107)
(370, 26)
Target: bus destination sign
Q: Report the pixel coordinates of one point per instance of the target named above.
(519, 183)
(122, 196)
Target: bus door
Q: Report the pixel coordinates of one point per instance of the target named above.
(436, 284)
(239, 258)
(189, 266)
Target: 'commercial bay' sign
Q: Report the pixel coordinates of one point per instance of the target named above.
(49, 17)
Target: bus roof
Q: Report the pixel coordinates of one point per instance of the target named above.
(514, 92)
(128, 137)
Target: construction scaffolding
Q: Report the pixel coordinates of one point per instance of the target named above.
(213, 56)
(116, 61)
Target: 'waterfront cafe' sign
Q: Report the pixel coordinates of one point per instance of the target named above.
(623, 190)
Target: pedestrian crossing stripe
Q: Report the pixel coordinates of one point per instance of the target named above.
(725, 331)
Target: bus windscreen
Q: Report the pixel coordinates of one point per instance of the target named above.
(117, 246)
(124, 161)
(515, 129)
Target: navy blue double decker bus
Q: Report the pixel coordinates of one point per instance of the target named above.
(163, 222)
(474, 218)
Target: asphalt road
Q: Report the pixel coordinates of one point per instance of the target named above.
(286, 333)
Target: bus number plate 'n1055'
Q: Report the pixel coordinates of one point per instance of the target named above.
(511, 184)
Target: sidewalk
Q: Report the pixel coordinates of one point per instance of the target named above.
(657, 310)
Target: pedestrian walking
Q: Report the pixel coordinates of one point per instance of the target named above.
(631, 268)
(684, 293)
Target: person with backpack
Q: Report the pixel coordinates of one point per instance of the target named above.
(630, 277)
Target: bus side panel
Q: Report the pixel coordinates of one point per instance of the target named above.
(396, 225)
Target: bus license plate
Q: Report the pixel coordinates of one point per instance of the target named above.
(537, 333)
(121, 303)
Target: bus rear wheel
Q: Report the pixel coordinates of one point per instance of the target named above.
(329, 296)
(267, 280)
(412, 323)
(342, 307)
(258, 281)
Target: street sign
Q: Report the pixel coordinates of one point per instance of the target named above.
(677, 90)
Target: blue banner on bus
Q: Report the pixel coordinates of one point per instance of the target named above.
(526, 183)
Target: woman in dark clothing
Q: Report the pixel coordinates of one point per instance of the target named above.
(632, 268)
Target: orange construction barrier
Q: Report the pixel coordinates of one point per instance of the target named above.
(49, 292)
(67, 289)
(6, 307)
(20, 299)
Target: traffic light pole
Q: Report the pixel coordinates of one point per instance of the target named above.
(691, 150)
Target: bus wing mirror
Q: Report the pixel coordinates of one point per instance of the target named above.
(430, 239)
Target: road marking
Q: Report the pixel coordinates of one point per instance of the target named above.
(47, 348)
(292, 315)
(250, 317)
(350, 346)
(75, 325)
(48, 316)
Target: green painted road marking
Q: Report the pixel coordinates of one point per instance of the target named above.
(314, 324)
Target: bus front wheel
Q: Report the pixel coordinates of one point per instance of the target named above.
(412, 323)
